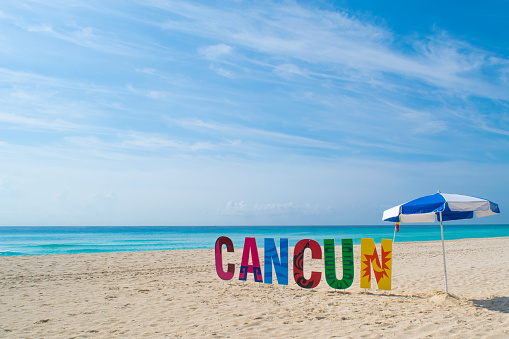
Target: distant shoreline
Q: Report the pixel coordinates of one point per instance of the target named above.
(96, 239)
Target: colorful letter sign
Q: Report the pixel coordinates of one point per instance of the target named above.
(370, 261)
(245, 268)
(298, 263)
(280, 265)
(382, 269)
(219, 258)
(330, 264)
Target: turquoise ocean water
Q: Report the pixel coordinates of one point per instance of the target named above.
(94, 239)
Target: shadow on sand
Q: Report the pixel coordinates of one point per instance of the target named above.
(499, 304)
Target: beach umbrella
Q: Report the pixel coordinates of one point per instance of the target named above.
(441, 207)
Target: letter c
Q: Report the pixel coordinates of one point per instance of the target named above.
(219, 258)
(298, 263)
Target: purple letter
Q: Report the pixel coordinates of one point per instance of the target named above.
(219, 258)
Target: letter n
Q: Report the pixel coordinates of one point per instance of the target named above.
(280, 266)
(369, 259)
(330, 263)
(219, 258)
(245, 268)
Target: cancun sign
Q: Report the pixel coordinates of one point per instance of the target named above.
(381, 265)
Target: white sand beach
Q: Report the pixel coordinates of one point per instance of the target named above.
(178, 294)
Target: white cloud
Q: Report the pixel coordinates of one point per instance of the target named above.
(223, 72)
(41, 28)
(234, 208)
(218, 54)
(240, 132)
(29, 122)
(3, 180)
(242, 209)
(152, 141)
(297, 33)
(288, 70)
(215, 52)
(147, 70)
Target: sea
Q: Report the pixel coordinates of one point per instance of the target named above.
(44, 240)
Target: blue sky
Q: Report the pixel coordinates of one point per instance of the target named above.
(248, 112)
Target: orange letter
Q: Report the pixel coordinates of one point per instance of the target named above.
(369, 258)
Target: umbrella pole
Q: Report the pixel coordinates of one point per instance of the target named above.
(394, 237)
(443, 251)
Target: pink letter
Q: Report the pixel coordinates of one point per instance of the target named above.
(245, 268)
(219, 258)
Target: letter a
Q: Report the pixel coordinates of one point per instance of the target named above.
(330, 263)
(245, 268)
(369, 258)
(280, 266)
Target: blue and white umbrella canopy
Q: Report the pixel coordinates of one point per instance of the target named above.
(442, 207)
(451, 206)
